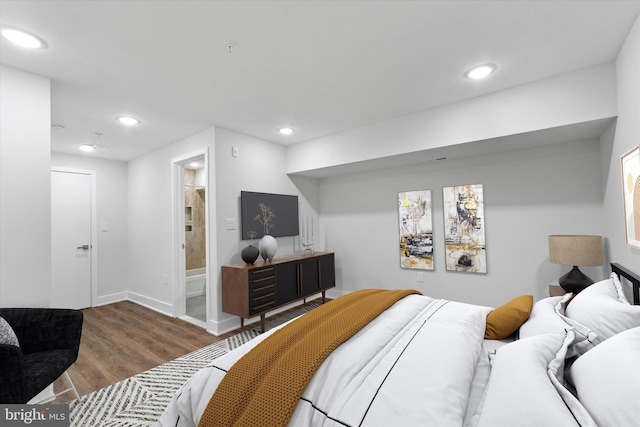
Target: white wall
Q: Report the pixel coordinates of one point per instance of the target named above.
(25, 189)
(150, 227)
(259, 167)
(528, 195)
(627, 135)
(577, 97)
(111, 200)
(560, 188)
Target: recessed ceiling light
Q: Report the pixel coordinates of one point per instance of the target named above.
(194, 164)
(480, 72)
(87, 148)
(286, 131)
(128, 120)
(23, 38)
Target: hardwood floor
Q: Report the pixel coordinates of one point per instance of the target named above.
(123, 339)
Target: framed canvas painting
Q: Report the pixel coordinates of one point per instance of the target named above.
(416, 229)
(630, 166)
(464, 237)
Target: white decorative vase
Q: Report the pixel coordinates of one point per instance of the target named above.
(268, 247)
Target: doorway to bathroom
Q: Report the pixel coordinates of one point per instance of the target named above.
(195, 196)
(191, 207)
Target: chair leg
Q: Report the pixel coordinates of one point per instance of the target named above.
(51, 398)
(73, 387)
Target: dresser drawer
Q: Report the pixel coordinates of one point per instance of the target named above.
(259, 277)
(262, 302)
(262, 290)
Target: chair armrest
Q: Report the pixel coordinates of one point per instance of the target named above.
(11, 374)
(43, 329)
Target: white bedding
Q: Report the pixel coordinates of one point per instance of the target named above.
(421, 362)
(425, 361)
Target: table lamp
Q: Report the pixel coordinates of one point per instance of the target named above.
(575, 250)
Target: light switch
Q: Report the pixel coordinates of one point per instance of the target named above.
(104, 227)
(230, 224)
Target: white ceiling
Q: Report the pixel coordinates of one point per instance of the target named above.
(321, 67)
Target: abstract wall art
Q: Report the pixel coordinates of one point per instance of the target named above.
(463, 209)
(630, 166)
(416, 229)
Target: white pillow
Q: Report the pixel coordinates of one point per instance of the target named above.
(585, 337)
(543, 319)
(607, 380)
(599, 307)
(548, 317)
(620, 293)
(523, 389)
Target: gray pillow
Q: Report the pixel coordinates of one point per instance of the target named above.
(7, 336)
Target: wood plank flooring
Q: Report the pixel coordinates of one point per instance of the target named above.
(123, 339)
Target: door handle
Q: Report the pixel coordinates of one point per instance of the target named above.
(84, 247)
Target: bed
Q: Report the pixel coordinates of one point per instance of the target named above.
(571, 360)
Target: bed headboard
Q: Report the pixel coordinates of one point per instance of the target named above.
(630, 276)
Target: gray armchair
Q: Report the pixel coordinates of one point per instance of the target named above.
(49, 343)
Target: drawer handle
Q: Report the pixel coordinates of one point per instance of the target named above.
(262, 288)
(262, 270)
(264, 296)
(262, 306)
(262, 279)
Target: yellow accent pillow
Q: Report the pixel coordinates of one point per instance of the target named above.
(506, 319)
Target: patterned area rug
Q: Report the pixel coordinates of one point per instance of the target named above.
(141, 399)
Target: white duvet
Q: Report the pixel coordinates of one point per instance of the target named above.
(416, 364)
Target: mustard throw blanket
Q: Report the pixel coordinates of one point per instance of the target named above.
(265, 385)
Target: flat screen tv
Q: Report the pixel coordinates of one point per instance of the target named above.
(266, 213)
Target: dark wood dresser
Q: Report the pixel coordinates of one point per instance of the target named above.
(253, 290)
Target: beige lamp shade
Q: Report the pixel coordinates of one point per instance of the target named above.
(578, 250)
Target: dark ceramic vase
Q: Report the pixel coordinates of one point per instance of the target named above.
(250, 254)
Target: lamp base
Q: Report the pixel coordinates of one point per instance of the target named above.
(574, 281)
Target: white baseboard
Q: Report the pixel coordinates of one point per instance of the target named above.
(151, 303)
(233, 323)
(193, 321)
(110, 299)
(224, 326)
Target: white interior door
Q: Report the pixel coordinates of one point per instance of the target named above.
(71, 244)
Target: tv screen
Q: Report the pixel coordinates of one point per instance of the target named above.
(265, 213)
